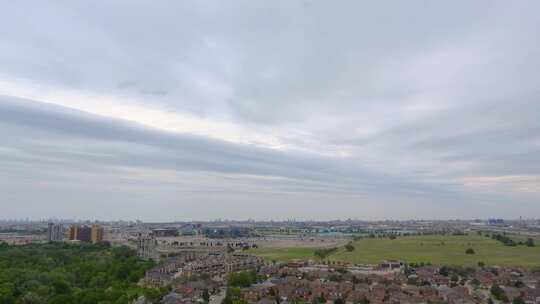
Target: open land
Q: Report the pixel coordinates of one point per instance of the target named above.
(436, 249)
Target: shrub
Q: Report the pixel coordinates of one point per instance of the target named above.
(498, 293)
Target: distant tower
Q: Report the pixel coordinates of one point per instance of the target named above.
(96, 234)
(73, 233)
(80, 233)
(146, 247)
(55, 232)
(50, 232)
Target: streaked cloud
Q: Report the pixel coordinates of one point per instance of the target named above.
(357, 110)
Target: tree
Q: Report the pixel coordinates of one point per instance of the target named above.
(6, 294)
(469, 251)
(481, 264)
(349, 247)
(32, 298)
(153, 295)
(62, 299)
(518, 300)
(232, 296)
(242, 279)
(530, 242)
(498, 293)
(68, 274)
(444, 271)
(364, 301)
(61, 287)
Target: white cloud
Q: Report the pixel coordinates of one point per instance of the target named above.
(441, 95)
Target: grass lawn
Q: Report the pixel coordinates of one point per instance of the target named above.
(435, 249)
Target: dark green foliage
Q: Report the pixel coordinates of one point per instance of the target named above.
(364, 301)
(530, 242)
(339, 301)
(518, 301)
(498, 293)
(349, 247)
(504, 239)
(444, 271)
(469, 251)
(233, 296)
(70, 274)
(242, 279)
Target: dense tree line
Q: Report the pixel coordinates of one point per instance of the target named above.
(509, 242)
(62, 273)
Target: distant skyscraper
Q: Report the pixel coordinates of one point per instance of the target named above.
(87, 234)
(146, 247)
(73, 233)
(84, 234)
(96, 234)
(55, 232)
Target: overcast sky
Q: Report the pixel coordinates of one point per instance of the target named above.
(197, 110)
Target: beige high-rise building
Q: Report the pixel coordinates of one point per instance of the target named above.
(73, 233)
(96, 234)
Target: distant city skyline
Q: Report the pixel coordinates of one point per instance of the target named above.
(299, 220)
(197, 110)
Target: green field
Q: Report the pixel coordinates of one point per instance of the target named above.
(437, 249)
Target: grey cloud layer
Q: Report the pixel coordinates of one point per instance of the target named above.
(67, 155)
(266, 62)
(129, 144)
(413, 101)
